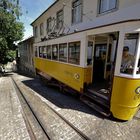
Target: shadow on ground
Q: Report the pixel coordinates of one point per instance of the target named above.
(62, 100)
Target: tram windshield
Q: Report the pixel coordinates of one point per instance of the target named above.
(129, 53)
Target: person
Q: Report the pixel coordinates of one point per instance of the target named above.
(127, 61)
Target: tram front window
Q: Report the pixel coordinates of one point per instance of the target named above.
(129, 53)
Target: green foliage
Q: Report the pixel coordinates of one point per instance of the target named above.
(11, 30)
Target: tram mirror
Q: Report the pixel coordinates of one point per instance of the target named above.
(129, 53)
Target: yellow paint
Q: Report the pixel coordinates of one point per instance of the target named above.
(125, 101)
(71, 75)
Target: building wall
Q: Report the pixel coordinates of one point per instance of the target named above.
(127, 10)
(26, 52)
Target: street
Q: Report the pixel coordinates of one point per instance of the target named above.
(39, 96)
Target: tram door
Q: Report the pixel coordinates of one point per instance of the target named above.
(101, 62)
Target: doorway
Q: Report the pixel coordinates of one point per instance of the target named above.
(105, 46)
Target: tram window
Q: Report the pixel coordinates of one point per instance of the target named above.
(74, 53)
(44, 53)
(129, 52)
(55, 52)
(49, 52)
(40, 52)
(36, 52)
(63, 52)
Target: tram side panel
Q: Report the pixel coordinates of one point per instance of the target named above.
(125, 102)
(73, 76)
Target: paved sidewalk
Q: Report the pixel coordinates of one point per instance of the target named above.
(12, 125)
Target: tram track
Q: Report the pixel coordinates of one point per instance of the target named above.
(25, 104)
(41, 123)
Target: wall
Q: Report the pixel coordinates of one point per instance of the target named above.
(127, 10)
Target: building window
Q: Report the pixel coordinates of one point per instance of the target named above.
(59, 18)
(74, 53)
(107, 5)
(76, 11)
(41, 29)
(54, 52)
(63, 52)
(35, 31)
(49, 25)
(49, 52)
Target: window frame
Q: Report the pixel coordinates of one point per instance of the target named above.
(70, 58)
(72, 12)
(36, 51)
(41, 29)
(50, 58)
(40, 52)
(53, 58)
(136, 56)
(58, 21)
(109, 10)
(62, 59)
(49, 24)
(36, 31)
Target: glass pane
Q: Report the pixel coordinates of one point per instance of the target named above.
(77, 11)
(129, 51)
(40, 51)
(41, 29)
(138, 67)
(44, 52)
(59, 19)
(49, 53)
(36, 52)
(74, 53)
(49, 25)
(63, 52)
(106, 5)
(35, 31)
(112, 4)
(55, 52)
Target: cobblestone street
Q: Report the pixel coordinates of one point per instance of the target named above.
(12, 125)
(92, 124)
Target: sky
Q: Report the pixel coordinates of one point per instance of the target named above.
(31, 9)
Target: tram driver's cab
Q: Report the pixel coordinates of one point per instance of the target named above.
(125, 96)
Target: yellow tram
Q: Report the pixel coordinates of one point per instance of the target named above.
(91, 62)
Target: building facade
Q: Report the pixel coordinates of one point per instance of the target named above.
(25, 56)
(69, 16)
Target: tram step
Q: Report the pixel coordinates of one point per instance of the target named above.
(92, 92)
(97, 99)
(98, 107)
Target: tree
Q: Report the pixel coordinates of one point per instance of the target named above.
(11, 30)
